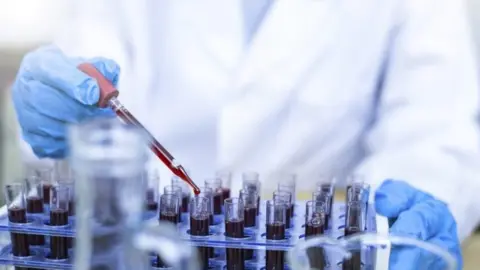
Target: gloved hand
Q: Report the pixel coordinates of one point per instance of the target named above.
(50, 92)
(418, 215)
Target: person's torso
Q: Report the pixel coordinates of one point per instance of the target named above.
(298, 96)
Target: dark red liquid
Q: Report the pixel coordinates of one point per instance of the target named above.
(158, 149)
(351, 231)
(250, 216)
(327, 220)
(71, 208)
(226, 193)
(217, 203)
(275, 259)
(211, 220)
(292, 210)
(58, 245)
(151, 205)
(46, 193)
(169, 216)
(314, 229)
(316, 258)
(199, 226)
(235, 257)
(20, 246)
(258, 204)
(34, 205)
(185, 202)
(354, 263)
(288, 217)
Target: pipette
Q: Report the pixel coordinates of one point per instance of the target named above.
(108, 98)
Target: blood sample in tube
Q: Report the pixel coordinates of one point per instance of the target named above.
(177, 191)
(34, 205)
(46, 177)
(216, 185)
(16, 204)
(208, 193)
(251, 181)
(59, 202)
(250, 200)
(169, 210)
(234, 225)
(354, 223)
(314, 226)
(226, 180)
(200, 208)
(286, 197)
(287, 182)
(276, 216)
(325, 198)
(152, 182)
(177, 181)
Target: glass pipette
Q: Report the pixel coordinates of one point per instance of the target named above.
(108, 98)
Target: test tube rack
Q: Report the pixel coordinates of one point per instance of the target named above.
(255, 239)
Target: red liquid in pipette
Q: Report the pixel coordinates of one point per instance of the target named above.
(157, 149)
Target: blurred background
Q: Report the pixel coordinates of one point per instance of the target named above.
(26, 24)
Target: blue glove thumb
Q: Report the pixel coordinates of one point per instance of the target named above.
(420, 216)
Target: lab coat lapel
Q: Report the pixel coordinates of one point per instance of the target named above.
(293, 37)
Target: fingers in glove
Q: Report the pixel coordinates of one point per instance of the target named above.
(393, 197)
(44, 146)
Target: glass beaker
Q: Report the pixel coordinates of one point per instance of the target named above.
(108, 159)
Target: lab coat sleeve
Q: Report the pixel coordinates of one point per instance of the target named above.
(425, 131)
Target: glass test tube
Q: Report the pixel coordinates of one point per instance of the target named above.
(326, 198)
(354, 223)
(287, 182)
(285, 197)
(46, 177)
(152, 184)
(34, 194)
(177, 191)
(226, 178)
(314, 218)
(59, 202)
(16, 204)
(169, 211)
(200, 211)
(169, 208)
(234, 225)
(327, 186)
(251, 181)
(276, 218)
(250, 201)
(216, 185)
(208, 193)
(177, 181)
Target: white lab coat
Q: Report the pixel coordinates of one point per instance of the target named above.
(384, 88)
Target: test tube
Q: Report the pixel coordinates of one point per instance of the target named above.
(169, 208)
(287, 182)
(276, 218)
(177, 191)
(285, 197)
(326, 198)
(200, 211)
(327, 186)
(207, 193)
(354, 223)
(152, 183)
(16, 205)
(46, 177)
(355, 218)
(250, 201)
(216, 185)
(251, 181)
(314, 218)
(234, 225)
(177, 181)
(59, 202)
(34, 205)
(226, 178)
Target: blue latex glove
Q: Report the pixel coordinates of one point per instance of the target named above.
(418, 215)
(50, 92)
